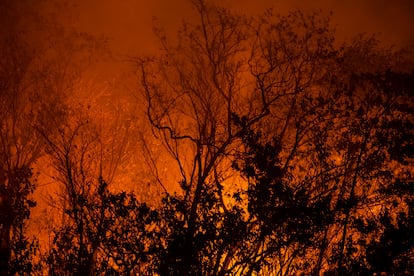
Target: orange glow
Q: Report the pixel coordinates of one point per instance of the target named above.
(101, 121)
(128, 24)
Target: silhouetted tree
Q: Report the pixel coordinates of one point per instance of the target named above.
(368, 163)
(40, 62)
(107, 233)
(325, 116)
(17, 251)
(25, 101)
(96, 224)
(221, 67)
(294, 155)
(392, 250)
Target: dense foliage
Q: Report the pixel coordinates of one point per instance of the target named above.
(295, 156)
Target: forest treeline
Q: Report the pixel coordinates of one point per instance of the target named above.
(294, 152)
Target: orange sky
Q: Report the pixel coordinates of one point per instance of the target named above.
(128, 23)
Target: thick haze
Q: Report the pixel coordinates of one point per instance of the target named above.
(107, 90)
(128, 23)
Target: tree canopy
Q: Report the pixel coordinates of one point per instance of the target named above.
(294, 155)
